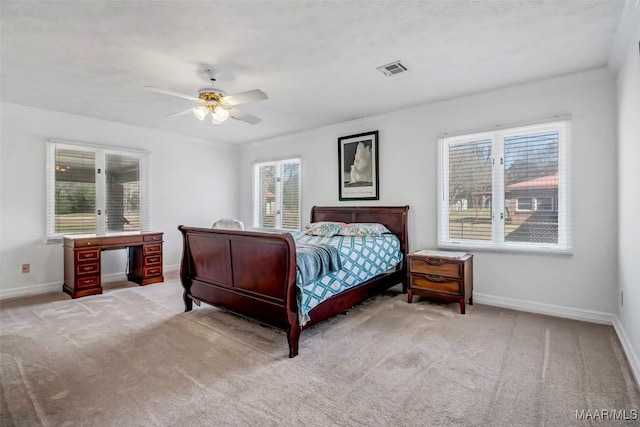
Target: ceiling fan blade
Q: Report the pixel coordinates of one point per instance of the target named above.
(244, 97)
(245, 117)
(181, 112)
(168, 92)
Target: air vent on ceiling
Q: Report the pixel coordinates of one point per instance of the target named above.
(392, 69)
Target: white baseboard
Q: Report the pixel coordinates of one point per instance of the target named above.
(170, 268)
(24, 291)
(548, 309)
(632, 356)
(569, 313)
(44, 288)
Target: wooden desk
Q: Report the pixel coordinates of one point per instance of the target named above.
(82, 259)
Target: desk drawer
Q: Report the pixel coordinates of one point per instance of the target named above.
(152, 260)
(121, 241)
(435, 283)
(152, 271)
(153, 238)
(88, 268)
(435, 266)
(152, 249)
(88, 282)
(83, 243)
(88, 255)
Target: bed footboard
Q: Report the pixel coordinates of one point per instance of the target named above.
(248, 273)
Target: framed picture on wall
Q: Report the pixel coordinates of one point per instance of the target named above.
(358, 167)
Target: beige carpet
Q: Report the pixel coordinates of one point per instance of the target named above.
(131, 357)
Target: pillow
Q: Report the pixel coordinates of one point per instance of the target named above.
(363, 229)
(324, 228)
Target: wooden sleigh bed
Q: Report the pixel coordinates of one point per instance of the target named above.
(253, 274)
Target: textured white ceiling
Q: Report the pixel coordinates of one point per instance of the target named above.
(316, 60)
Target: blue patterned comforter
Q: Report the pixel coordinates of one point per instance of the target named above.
(361, 258)
(316, 260)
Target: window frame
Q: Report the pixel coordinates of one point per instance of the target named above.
(553, 204)
(101, 198)
(530, 203)
(278, 163)
(498, 242)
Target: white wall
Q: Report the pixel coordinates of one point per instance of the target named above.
(584, 283)
(629, 193)
(192, 183)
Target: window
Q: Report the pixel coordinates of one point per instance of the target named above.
(545, 204)
(93, 189)
(524, 203)
(506, 189)
(277, 194)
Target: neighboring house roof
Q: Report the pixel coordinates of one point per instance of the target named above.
(549, 181)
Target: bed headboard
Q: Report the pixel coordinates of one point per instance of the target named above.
(393, 217)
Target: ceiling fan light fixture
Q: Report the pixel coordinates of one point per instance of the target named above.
(220, 113)
(200, 112)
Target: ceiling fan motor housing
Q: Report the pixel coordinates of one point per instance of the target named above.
(208, 94)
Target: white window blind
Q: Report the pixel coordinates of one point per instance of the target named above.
(94, 189)
(122, 192)
(277, 194)
(507, 189)
(74, 203)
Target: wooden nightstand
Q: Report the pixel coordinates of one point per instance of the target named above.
(441, 275)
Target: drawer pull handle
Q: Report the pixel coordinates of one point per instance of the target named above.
(152, 271)
(152, 260)
(88, 255)
(88, 268)
(435, 278)
(434, 261)
(87, 281)
(88, 243)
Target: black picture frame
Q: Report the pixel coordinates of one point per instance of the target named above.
(358, 172)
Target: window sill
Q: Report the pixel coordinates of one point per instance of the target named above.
(491, 247)
(53, 240)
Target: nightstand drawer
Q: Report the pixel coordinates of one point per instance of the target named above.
(435, 283)
(435, 266)
(443, 275)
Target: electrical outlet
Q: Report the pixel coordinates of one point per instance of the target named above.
(25, 268)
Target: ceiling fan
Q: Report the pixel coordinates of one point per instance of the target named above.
(216, 104)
